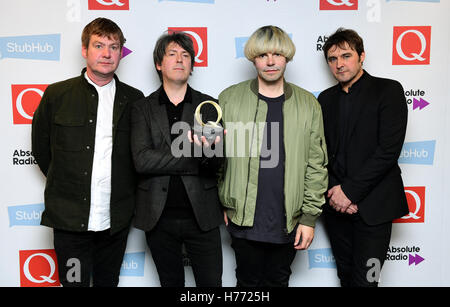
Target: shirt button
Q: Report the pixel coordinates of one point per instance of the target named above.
(91, 121)
(85, 173)
(82, 225)
(88, 147)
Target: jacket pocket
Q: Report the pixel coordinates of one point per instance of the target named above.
(70, 132)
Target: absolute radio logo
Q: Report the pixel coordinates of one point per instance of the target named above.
(38, 268)
(199, 37)
(25, 100)
(416, 204)
(405, 253)
(411, 45)
(415, 98)
(332, 5)
(119, 5)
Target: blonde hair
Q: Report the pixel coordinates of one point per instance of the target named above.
(269, 39)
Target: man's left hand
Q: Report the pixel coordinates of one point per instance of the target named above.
(304, 237)
(338, 199)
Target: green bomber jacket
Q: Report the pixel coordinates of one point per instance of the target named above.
(306, 176)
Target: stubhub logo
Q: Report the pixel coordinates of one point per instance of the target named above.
(133, 264)
(418, 153)
(25, 215)
(321, 258)
(34, 47)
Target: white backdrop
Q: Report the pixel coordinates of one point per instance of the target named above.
(40, 44)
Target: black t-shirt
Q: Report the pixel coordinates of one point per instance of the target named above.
(270, 218)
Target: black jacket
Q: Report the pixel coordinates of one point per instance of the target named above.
(151, 147)
(374, 139)
(63, 139)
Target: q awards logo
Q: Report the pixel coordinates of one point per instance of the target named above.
(341, 5)
(199, 37)
(25, 100)
(100, 5)
(38, 268)
(416, 204)
(411, 45)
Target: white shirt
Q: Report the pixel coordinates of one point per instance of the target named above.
(99, 216)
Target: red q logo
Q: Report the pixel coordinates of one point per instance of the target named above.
(38, 268)
(109, 5)
(25, 100)
(411, 45)
(333, 5)
(416, 203)
(199, 37)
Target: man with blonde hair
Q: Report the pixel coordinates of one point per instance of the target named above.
(273, 194)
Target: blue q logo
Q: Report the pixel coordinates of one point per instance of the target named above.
(35, 47)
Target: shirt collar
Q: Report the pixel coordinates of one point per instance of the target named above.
(100, 88)
(164, 99)
(357, 84)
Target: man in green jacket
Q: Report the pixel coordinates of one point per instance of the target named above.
(275, 173)
(81, 142)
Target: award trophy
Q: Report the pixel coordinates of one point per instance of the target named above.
(211, 129)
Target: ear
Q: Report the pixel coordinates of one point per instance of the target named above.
(362, 57)
(84, 51)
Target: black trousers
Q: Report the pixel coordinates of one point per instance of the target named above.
(260, 264)
(359, 249)
(81, 255)
(203, 248)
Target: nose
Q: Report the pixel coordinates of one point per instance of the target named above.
(106, 53)
(339, 62)
(179, 58)
(270, 61)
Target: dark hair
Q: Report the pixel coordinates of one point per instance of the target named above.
(179, 38)
(102, 27)
(342, 37)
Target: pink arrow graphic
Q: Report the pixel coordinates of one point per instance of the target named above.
(125, 51)
(415, 259)
(422, 103)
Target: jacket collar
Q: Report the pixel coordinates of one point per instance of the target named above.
(287, 88)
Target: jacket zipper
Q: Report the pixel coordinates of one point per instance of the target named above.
(249, 160)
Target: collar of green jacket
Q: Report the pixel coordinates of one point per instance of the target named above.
(287, 88)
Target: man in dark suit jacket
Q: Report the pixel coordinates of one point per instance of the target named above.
(81, 141)
(177, 199)
(365, 124)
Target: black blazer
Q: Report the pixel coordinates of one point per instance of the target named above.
(151, 149)
(376, 131)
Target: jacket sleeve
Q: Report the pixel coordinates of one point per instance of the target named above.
(316, 176)
(393, 115)
(150, 160)
(40, 133)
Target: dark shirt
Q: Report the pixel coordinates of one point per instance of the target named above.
(270, 218)
(346, 103)
(178, 204)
